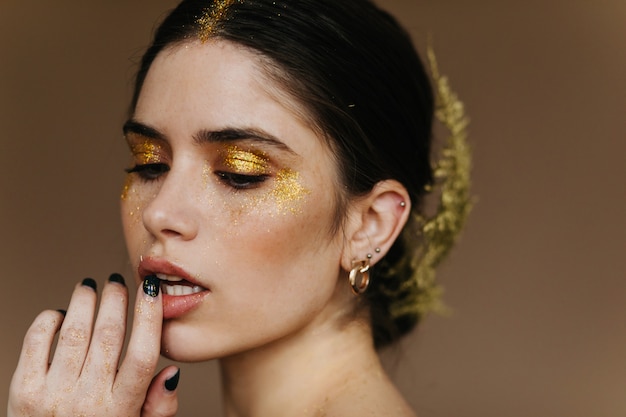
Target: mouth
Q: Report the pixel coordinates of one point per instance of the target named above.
(177, 286)
(181, 293)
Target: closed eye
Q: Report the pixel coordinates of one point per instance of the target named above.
(241, 181)
(149, 172)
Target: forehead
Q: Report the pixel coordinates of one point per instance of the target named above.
(219, 84)
(219, 68)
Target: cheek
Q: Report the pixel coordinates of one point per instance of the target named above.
(133, 201)
(284, 231)
(286, 197)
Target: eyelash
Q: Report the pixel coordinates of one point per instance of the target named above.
(240, 181)
(152, 172)
(149, 172)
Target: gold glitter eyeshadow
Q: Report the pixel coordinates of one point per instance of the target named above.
(246, 162)
(211, 17)
(288, 191)
(146, 152)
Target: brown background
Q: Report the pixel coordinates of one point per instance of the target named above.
(537, 283)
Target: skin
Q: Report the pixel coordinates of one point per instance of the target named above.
(240, 244)
(275, 305)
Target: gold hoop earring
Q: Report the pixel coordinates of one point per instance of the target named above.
(360, 276)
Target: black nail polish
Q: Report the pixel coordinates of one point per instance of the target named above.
(172, 382)
(151, 285)
(64, 312)
(117, 278)
(88, 282)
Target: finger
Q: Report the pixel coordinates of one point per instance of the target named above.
(109, 331)
(144, 346)
(29, 377)
(35, 355)
(162, 397)
(75, 334)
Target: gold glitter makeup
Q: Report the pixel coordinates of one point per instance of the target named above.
(147, 152)
(133, 199)
(206, 174)
(288, 191)
(246, 162)
(211, 17)
(128, 182)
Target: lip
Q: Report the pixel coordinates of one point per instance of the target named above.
(174, 306)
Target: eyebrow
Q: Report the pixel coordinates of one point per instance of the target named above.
(237, 134)
(211, 136)
(133, 126)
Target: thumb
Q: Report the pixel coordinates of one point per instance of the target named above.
(162, 397)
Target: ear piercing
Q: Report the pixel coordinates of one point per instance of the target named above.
(402, 204)
(369, 255)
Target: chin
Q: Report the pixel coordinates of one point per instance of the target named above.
(179, 344)
(183, 342)
(179, 353)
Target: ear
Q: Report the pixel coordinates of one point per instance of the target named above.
(375, 221)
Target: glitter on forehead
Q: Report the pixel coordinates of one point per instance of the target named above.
(288, 191)
(246, 162)
(211, 17)
(146, 152)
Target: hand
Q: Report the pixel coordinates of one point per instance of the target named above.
(83, 378)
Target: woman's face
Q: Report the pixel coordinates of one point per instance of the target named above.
(230, 202)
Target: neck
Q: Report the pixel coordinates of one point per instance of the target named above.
(310, 367)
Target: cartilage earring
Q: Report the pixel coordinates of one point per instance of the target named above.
(360, 276)
(402, 204)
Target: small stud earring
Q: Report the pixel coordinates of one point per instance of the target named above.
(369, 256)
(402, 204)
(377, 250)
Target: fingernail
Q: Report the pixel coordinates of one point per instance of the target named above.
(64, 312)
(115, 277)
(172, 382)
(151, 285)
(88, 282)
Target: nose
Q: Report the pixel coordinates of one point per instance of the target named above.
(171, 214)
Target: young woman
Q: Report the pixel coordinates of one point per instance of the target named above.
(280, 155)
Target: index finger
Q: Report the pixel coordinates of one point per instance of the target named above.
(144, 347)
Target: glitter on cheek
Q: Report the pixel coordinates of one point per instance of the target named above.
(236, 204)
(128, 182)
(288, 192)
(206, 175)
(287, 196)
(134, 197)
(240, 209)
(209, 197)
